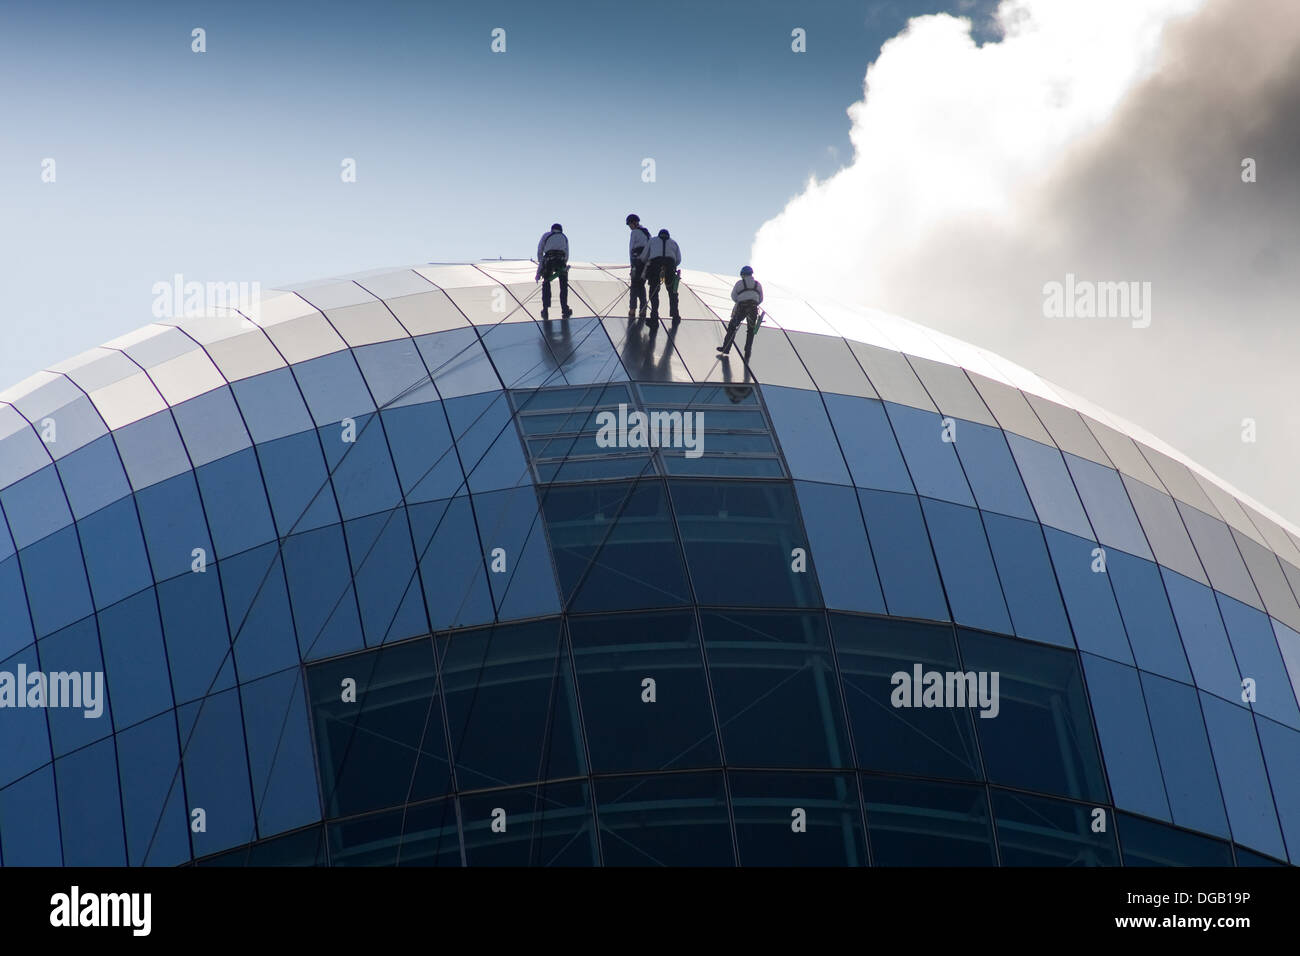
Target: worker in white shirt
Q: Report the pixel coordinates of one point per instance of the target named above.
(639, 237)
(552, 261)
(662, 257)
(747, 294)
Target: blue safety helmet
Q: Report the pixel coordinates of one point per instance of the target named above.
(746, 271)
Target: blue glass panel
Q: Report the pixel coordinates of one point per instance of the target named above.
(1088, 598)
(29, 822)
(257, 607)
(1240, 764)
(991, 470)
(1281, 746)
(489, 447)
(841, 556)
(422, 835)
(135, 662)
(614, 656)
(280, 753)
(974, 593)
(36, 506)
(1219, 555)
(55, 574)
(521, 577)
(114, 550)
(457, 362)
(930, 459)
(1288, 642)
(739, 539)
(455, 589)
(90, 810)
(17, 630)
(1184, 751)
(1028, 584)
(75, 695)
(764, 805)
(27, 738)
(395, 374)
(615, 546)
(427, 465)
(151, 450)
(804, 431)
(364, 480)
(1035, 831)
(520, 355)
(300, 848)
(93, 477)
(917, 823)
(7, 549)
(545, 826)
(198, 642)
(1251, 636)
(388, 588)
(867, 440)
(1153, 844)
(216, 771)
(153, 794)
(321, 593)
(774, 683)
(297, 483)
(585, 352)
(675, 819)
(1049, 485)
(1125, 731)
(1107, 504)
(1147, 618)
(1204, 638)
(236, 504)
(1042, 735)
(333, 388)
(925, 741)
(272, 405)
(174, 525)
(211, 426)
(515, 676)
(906, 564)
(388, 746)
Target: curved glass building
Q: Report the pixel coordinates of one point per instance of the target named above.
(388, 570)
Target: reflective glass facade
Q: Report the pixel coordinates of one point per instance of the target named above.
(398, 573)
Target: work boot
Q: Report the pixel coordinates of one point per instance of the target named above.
(643, 311)
(631, 312)
(567, 312)
(544, 315)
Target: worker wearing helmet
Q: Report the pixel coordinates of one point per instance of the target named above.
(639, 237)
(552, 262)
(747, 294)
(662, 257)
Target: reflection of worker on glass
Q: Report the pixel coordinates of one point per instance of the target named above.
(747, 294)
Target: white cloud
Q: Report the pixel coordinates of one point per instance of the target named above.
(1102, 138)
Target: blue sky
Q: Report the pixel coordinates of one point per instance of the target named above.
(224, 166)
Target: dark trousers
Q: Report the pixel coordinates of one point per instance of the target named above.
(739, 313)
(553, 266)
(636, 295)
(662, 269)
